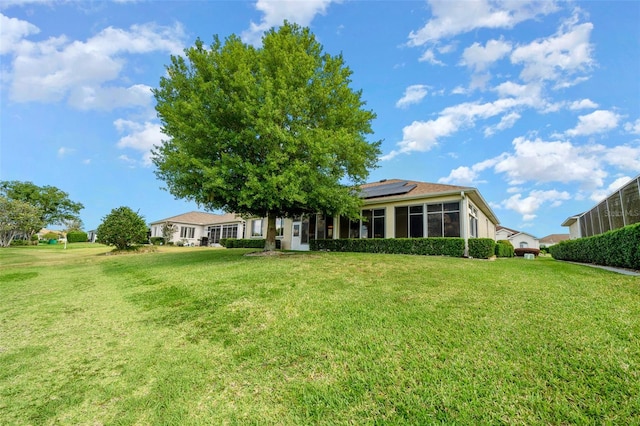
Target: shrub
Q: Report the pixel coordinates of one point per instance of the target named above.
(422, 246)
(504, 248)
(481, 248)
(521, 251)
(20, 243)
(245, 243)
(77, 237)
(619, 248)
(122, 228)
(156, 241)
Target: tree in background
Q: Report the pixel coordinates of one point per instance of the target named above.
(54, 204)
(17, 217)
(71, 225)
(168, 229)
(271, 132)
(122, 228)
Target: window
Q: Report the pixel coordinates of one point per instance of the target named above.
(230, 231)
(256, 228)
(443, 220)
(187, 232)
(279, 227)
(410, 222)
(524, 244)
(373, 225)
(473, 221)
(349, 228)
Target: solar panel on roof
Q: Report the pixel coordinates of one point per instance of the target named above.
(394, 188)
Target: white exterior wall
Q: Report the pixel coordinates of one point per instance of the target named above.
(529, 240)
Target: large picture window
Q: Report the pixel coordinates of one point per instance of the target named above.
(187, 232)
(443, 220)
(373, 223)
(410, 222)
(279, 227)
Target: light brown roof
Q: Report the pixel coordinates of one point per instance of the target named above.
(202, 218)
(554, 238)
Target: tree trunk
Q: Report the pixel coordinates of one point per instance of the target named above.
(270, 242)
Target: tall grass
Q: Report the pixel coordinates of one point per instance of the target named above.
(202, 336)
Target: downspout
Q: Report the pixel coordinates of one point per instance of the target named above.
(464, 219)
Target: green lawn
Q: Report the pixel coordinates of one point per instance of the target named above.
(195, 336)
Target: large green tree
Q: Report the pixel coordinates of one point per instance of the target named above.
(54, 204)
(122, 228)
(272, 131)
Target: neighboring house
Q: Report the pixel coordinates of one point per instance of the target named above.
(517, 238)
(92, 235)
(194, 227)
(391, 209)
(617, 210)
(553, 239)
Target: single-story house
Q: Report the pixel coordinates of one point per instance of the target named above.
(617, 210)
(517, 238)
(553, 239)
(195, 227)
(392, 208)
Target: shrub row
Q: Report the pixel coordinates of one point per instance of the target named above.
(77, 237)
(521, 251)
(620, 248)
(504, 248)
(423, 246)
(245, 243)
(481, 248)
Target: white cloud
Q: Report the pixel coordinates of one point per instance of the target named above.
(528, 206)
(451, 18)
(557, 58)
(506, 122)
(14, 30)
(141, 137)
(541, 161)
(481, 57)
(633, 127)
(430, 56)
(467, 176)
(275, 12)
(583, 104)
(599, 121)
(624, 157)
(63, 151)
(412, 95)
(57, 68)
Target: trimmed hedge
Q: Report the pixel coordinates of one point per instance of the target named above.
(619, 248)
(77, 237)
(423, 246)
(481, 248)
(521, 251)
(245, 243)
(504, 248)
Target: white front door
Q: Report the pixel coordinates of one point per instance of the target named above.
(300, 235)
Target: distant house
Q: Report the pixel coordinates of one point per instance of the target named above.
(552, 239)
(517, 238)
(617, 210)
(392, 208)
(195, 227)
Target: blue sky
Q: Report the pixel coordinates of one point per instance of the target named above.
(535, 103)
